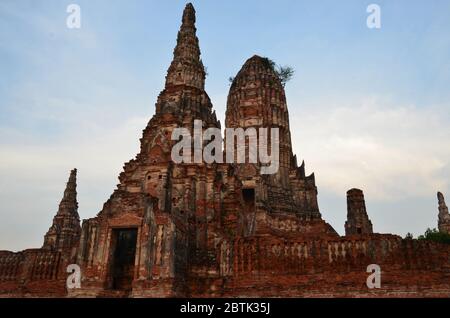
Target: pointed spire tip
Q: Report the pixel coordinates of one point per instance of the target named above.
(189, 14)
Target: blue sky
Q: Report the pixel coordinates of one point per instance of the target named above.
(368, 108)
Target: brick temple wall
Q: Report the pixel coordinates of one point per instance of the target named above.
(32, 273)
(268, 267)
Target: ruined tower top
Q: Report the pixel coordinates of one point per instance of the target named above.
(444, 216)
(187, 68)
(257, 99)
(65, 230)
(358, 221)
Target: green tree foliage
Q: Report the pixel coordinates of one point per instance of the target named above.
(435, 236)
(285, 73)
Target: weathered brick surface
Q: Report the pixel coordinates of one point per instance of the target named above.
(220, 230)
(33, 273)
(64, 233)
(444, 215)
(358, 221)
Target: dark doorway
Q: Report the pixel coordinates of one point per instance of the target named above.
(249, 199)
(124, 257)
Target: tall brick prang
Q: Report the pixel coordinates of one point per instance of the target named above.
(358, 221)
(444, 216)
(257, 100)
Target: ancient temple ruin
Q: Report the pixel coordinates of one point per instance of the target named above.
(444, 215)
(358, 221)
(219, 229)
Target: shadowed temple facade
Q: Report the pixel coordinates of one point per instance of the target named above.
(220, 229)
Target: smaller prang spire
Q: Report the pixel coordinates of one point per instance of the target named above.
(70, 193)
(444, 216)
(65, 230)
(187, 68)
(358, 221)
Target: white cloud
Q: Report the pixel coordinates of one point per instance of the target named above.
(34, 176)
(390, 151)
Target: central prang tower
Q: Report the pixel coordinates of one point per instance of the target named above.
(163, 210)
